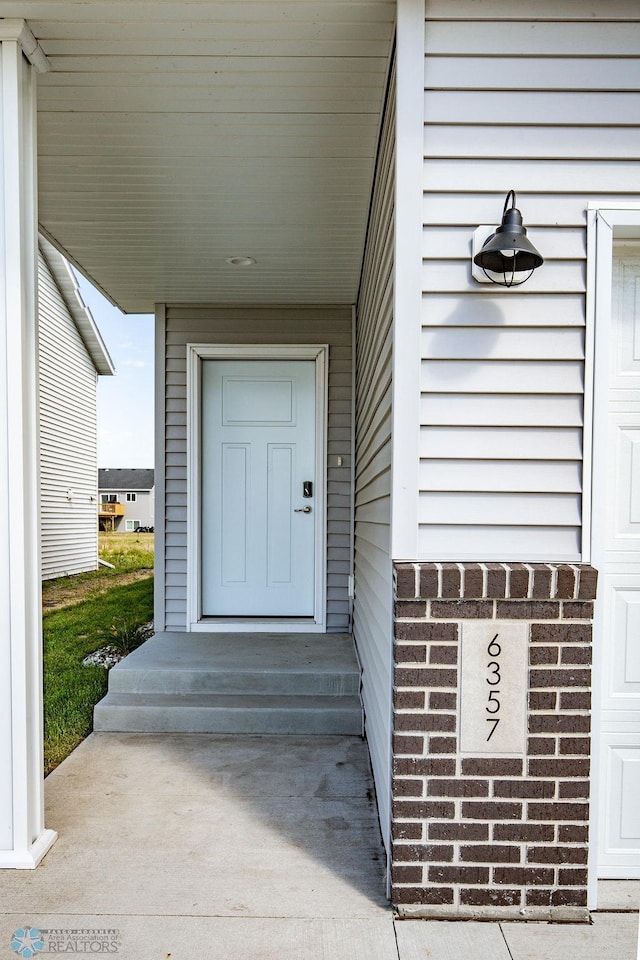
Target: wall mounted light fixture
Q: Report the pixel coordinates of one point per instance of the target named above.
(505, 255)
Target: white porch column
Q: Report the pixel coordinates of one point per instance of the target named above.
(23, 839)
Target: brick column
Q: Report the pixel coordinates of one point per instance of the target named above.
(483, 836)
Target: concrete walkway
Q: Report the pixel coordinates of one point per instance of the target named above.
(242, 848)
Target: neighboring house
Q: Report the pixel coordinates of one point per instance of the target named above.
(71, 357)
(126, 499)
(466, 452)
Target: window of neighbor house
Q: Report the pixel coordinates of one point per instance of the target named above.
(132, 497)
(131, 526)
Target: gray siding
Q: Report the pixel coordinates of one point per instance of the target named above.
(68, 438)
(205, 324)
(142, 510)
(542, 100)
(372, 613)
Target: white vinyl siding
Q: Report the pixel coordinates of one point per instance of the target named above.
(68, 438)
(538, 99)
(268, 325)
(372, 612)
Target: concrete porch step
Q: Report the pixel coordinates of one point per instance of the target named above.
(235, 683)
(222, 713)
(269, 681)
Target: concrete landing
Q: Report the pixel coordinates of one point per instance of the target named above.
(607, 938)
(204, 846)
(619, 895)
(235, 683)
(242, 848)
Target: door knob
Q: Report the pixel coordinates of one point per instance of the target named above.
(306, 509)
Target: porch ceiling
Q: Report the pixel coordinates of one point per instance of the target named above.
(173, 135)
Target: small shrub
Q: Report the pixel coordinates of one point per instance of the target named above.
(124, 635)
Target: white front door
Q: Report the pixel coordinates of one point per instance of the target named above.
(258, 488)
(617, 510)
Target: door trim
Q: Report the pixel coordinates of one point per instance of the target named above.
(606, 222)
(196, 353)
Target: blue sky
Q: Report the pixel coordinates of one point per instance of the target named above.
(125, 402)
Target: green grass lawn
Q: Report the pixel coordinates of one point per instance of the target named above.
(127, 551)
(84, 624)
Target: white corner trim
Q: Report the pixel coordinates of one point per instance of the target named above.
(407, 305)
(196, 352)
(160, 561)
(352, 471)
(19, 32)
(589, 366)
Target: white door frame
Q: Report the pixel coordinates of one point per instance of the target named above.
(606, 222)
(196, 353)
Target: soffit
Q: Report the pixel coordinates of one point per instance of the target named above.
(174, 135)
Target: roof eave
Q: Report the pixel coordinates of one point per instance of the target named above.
(79, 311)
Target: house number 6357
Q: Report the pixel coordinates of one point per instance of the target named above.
(494, 672)
(493, 680)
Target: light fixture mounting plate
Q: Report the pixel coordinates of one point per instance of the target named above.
(480, 235)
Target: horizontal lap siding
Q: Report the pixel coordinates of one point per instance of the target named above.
(537, 100)
(269, 325)
(372, 614)
(68, 438)
(142, 510)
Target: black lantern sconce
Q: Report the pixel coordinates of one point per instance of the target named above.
(507, 257)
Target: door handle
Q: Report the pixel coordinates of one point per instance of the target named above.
(306, 509)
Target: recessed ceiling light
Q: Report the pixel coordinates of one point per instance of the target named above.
(240, 261)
